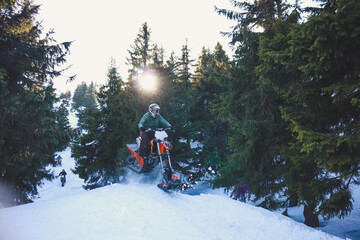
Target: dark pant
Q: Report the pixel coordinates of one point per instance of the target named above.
(144, 149)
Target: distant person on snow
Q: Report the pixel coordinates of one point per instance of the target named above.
(63, 174)
(63, 177)
(58, 160)
(151, 119)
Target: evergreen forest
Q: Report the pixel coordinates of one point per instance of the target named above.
(277, 123)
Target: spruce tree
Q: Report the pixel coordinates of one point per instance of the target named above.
(66, 95)
(98, 151)
(320, 61)
(32, 130)
(179, 106)
(90, 97)
(208, 129)
(299, 138)
(184, 65)
(171, 67)
(79, 95)
(158, 56)
(256, 129)
(141, 51)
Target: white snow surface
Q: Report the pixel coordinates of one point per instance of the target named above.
(139, 210)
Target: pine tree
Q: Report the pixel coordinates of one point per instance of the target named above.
(184, 65)
(32, 130)
(84, 98)
(320, 60)
(98, 152)
(255, 134)
(158, 56)
(179, 106)
(66, 95)
(256, 130)
(79, 96)
(305, 75)
(253, 16)
(209, 130)
(90, 97)
(171, 67)
(141, 51)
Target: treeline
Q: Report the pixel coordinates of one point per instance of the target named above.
(84, 96)
(34, 123)
(278, 124)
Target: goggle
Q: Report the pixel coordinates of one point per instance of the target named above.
(155, 110)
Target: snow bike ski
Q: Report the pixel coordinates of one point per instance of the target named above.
(159, 146)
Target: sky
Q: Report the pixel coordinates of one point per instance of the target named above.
(101, 30)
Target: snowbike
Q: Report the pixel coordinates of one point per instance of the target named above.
(63, 180)
(159, 146)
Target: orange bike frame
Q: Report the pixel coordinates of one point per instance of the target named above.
(135, 155)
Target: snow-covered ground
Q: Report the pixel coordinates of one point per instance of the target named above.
(349, 227)
(138, 209)
(52, 189)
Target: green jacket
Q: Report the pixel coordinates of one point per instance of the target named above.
(148, 121)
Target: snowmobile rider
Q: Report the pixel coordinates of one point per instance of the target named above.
(63, 173)
(151, 119)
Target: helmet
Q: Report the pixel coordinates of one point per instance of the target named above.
(154, 109)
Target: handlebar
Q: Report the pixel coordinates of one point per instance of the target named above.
(158, 129)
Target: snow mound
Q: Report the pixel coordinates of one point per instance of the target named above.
(142, 211)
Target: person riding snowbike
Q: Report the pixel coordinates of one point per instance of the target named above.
(152, 148)
(151, 119)
(62, 176)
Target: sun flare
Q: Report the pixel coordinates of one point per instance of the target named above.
(148, 81)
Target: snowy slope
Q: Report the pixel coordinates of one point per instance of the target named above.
(53, 189)
(348, 227)
(142, 211)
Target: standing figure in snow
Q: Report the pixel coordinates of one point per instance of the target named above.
(58, 160)
(62, 176)
(151, 119)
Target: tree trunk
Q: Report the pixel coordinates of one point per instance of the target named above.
(311, 219)
(285, 213)
(293, 200)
